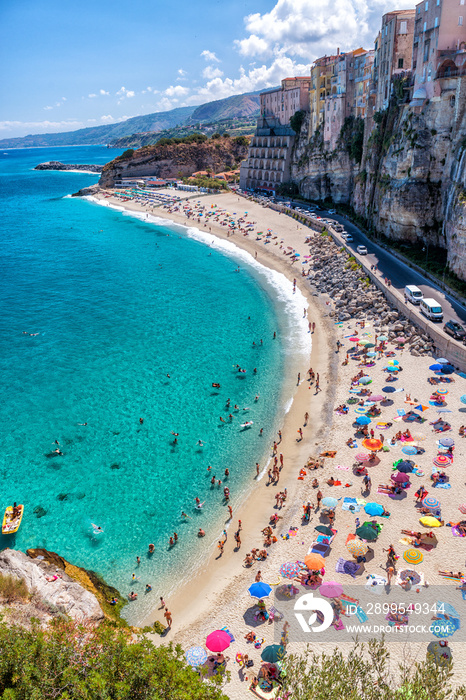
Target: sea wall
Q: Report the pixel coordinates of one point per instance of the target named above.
(410, 183)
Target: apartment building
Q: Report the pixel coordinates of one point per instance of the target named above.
(439, 48)
(393, 53)
(322, 71)
(269, 156)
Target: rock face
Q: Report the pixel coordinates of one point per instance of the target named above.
(411, 183)
(175, 160)
(56, 165)
(64, 594)
(85, 191)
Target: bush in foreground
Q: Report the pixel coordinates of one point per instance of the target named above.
(71, 661)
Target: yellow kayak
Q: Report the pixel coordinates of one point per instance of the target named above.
(12, 519)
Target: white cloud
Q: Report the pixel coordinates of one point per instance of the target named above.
(130, 93)
(210, 73)
(106, 118)
(182, 72)
(92, 94)
(63, 99)
(91, 121)
(149, 89)
(176, 91)
(309, 28)
(48, 108)
(103, 92)
(210, 56)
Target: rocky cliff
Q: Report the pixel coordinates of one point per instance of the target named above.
(177, 159)
(410, 183)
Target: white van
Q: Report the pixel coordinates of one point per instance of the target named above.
(431, 309)
(413, 294)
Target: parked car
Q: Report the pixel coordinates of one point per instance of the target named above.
(348, 238)
(361, 249)
(455, 329)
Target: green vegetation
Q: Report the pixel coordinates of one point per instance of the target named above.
(77, 662)
(126, 155)
(192, 138)
(13, 589)
(296, 120)
(365, 675)
(352, 137)
(210, 183)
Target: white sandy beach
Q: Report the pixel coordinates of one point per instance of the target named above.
(218, 595)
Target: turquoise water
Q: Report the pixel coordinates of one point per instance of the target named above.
(114, 304)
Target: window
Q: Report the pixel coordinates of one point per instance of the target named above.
(400, 63)
(460, 21)
(461, 2)
(426, 6)
(403, 27)
(426, 51)
(425, 26)
(436, 22)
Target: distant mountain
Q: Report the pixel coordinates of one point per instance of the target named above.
(97, 135)
(236, 106)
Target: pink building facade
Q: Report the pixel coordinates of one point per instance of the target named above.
(284, 102)
(394, 52)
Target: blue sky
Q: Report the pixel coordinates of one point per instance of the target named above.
(70, 64)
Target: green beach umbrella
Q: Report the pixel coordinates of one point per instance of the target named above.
(366, 532)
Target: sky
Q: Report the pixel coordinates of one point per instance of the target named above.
(72, 64)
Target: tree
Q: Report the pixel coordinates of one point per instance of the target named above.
(126, 154)
(71, 661)
(364, 674)
(296, 120)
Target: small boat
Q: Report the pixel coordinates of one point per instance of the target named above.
(247, 424)
(12, 519)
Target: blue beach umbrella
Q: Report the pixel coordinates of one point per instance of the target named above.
(408, 450)
(329, 502)
(436, 367)
(363, 420)
(260, 590)
(365, 380)
(360, 410)
(463, 398)
(196, 656)
(371, 354)
(442, 629)
(447, 442)
(383, 338)
(392, 368)
(447, 369)
(442, 361)
(391, 390)
(373, 509)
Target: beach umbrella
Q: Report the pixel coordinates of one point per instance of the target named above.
(442, 628)
(447, 442)
(462, 508)
(324, 530)
(371, 354)
(372, 444)
(405, 468)
(403, 463)
(430, 521)
(444, 410)
(383, 338)
(369, 345)
(362, 457)
(218, 641)
(442, 392)
(373, 509)
(442, 361)
(442, 461)
(419, 437)
(392, 368)
(331, 589)
(367, 532)
(388, 389)
(357, 548)
(447, 369)
(329, 502)
(436, 367)
(273, 653)
(463, 398)
(410, 574)
(431, 502)
(413, 556)
(314, 561)
(408, 450)
(400, 478)
(260, 590)
(365, 380)
(290, 569)
(354, 340)
(360, 410)
(393, 362)
(376, 397)
(363, 420)
(400, 339)
(196, 656)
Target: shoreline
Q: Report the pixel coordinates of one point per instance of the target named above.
(217, 575)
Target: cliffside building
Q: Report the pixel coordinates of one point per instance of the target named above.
(322, 71)
(393, 53)
(268, 163)
(439, 48)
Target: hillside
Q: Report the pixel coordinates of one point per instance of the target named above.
(228, 108)
(170, 159)
(237, 126)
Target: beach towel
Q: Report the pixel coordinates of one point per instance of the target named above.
(361, 615)
(338, 625)
(344, 469)
(375, 584)
(351, 504)
(348, 600)
(346, 567)
(441, 486)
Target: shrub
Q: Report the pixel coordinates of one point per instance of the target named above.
(126, 154)
(296, 120)
(13, 589)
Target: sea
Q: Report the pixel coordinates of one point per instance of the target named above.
(113, 329)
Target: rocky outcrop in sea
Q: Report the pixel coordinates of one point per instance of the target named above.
(56, 165)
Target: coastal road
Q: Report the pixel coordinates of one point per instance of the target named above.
(398, 272)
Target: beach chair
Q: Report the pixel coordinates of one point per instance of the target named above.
(320, 548)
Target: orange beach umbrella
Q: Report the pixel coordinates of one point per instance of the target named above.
(372, 444)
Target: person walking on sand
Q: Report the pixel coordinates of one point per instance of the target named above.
(279, 436)
(162, 603)
(168, 616)
(300, 431)
(318, 498)
(306, 418)
(258, 469)
(220, 546)
(299, 379)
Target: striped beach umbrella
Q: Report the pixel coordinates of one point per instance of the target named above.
(410, 574)
(442, 392)
(362, 457)
(360, 410)
(290, 569)
(409, 450)
(431, 502)
(442, 461)
(357, 548)
(447, 442)
(196, 656)
(413, 556)
(462, 508)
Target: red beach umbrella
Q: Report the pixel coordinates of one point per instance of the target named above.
(400, 478)
(218, 641)
(362, 457)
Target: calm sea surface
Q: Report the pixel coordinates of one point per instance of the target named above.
(96, 309)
